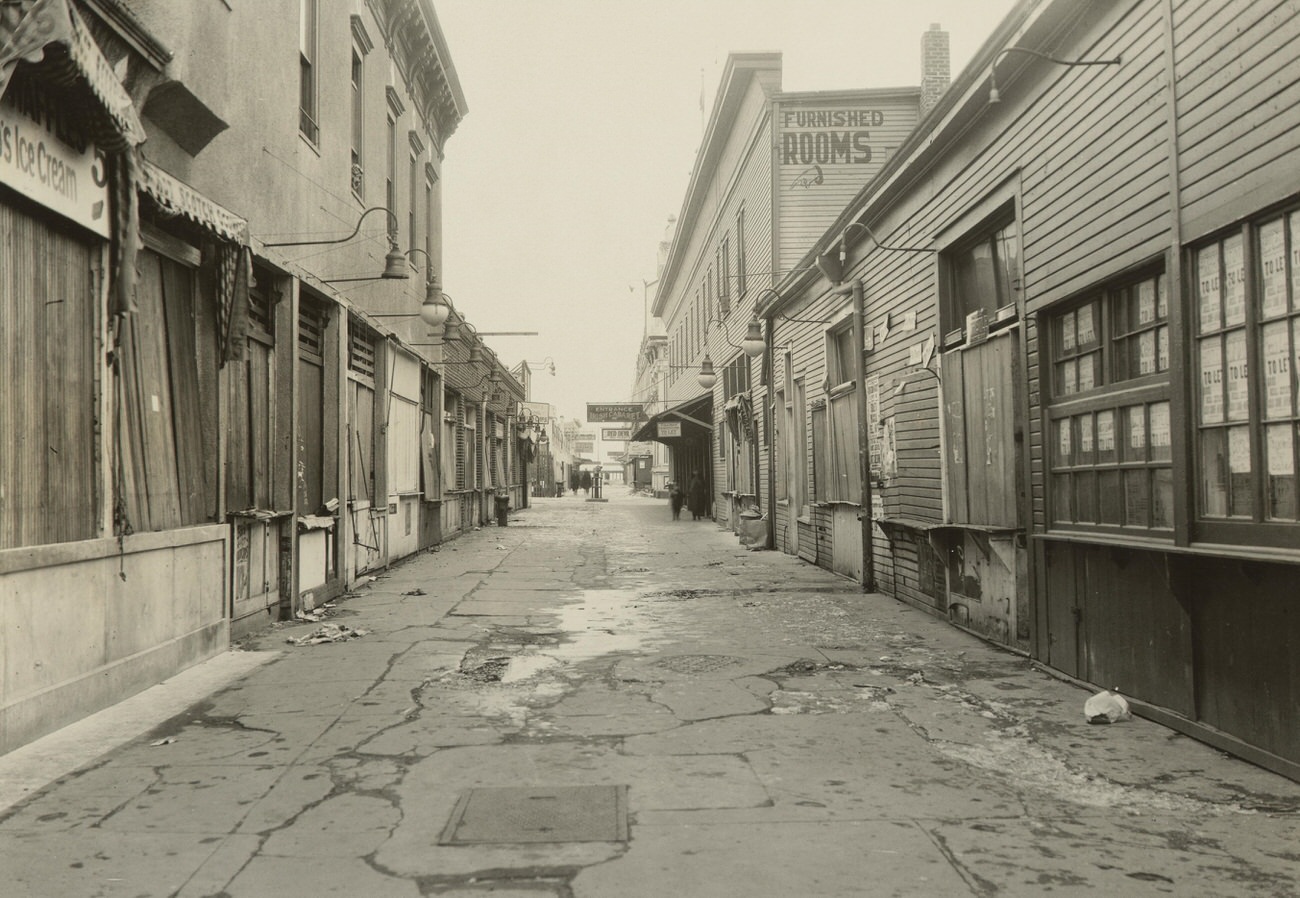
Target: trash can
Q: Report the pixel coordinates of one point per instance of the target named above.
(502, 503)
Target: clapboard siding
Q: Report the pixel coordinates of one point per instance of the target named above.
(1237, 102)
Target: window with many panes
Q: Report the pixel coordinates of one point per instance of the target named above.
(1110, 433)
(1246, 316)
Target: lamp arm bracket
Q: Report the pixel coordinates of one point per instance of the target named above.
(844, 236)
(1054, 59)
(357, 230)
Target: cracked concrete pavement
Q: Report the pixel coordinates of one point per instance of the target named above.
(779, 733)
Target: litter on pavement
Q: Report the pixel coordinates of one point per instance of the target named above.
(1106, 707)
(328, 633)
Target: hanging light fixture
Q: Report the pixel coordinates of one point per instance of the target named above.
(395, 267)
(707, 378)
(753, 344)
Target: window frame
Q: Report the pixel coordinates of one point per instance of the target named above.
(308, 80)
(1257, 529)
(954, 312)
(1073, 459)
(833, 352)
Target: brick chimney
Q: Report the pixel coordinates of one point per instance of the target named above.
(935, 70)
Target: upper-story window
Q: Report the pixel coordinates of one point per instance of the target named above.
(308, 112)
(358, 131)
(742, 272)
(1110, 432)
(1246, 316)
(983, 280)
(839, 356)
(390, 178)
(724, 276)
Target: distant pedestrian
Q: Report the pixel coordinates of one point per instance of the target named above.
(585, 480)
(698, 496)
(676, 498)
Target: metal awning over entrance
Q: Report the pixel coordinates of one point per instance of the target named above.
(691, 419)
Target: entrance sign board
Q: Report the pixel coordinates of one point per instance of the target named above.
(614, 412)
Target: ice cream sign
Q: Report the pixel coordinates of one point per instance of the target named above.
(42, 158)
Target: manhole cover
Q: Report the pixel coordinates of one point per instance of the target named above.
(696, 663)
(537, 814)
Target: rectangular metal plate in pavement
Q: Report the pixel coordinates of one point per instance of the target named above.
(503, 815)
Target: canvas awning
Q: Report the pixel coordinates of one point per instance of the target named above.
(693, 419)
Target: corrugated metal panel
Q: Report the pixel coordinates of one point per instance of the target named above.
(48, 405)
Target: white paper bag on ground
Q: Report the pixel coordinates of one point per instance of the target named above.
(1106, 707)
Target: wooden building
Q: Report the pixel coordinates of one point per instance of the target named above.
(774, 170)
(1064, 315)
(216, 411)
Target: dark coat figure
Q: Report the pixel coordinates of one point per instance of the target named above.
(698, 497)
(585, 480)
(677, 499)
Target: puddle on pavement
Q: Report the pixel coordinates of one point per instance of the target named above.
(519, 670)
(606, 622)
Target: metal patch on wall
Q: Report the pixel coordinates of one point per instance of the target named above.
(509, 814)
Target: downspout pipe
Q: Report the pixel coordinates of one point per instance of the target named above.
(769, 377)
(858, 292)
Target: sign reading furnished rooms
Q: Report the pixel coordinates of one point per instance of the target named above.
(42, 159)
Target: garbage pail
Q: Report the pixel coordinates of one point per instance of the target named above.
(502, 503)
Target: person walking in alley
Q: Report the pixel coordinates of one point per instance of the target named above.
(698, 496)
(585, 480)
(676, 498)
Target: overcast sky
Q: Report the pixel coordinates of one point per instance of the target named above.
(584, 119)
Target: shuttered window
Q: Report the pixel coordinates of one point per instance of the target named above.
(252, 414)
(169, 390)
(48, 406)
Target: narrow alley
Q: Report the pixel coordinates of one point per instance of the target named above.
(598, 701)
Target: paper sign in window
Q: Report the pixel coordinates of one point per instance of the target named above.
(1085, 438)
(1146, 302)
(1294, 221)
(1281, 458)
(1211, 381)
(1234, 283)
(1137, 427)
(1087, 369)
(1239, 450)
(1272, 260)
(1207, 288)
(1087, 329)
(1238, 394)
(1067, 332)
(1276, 352)
(1147, 352)
(1106, 431)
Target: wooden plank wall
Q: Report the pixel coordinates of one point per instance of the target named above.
(1237, 101)
(48, 362)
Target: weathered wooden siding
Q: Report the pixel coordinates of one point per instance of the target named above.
(48, 362)
(1238, 101)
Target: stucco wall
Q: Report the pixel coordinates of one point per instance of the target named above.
(82, 626)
